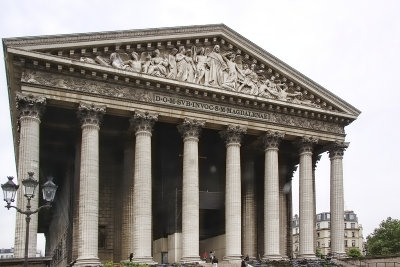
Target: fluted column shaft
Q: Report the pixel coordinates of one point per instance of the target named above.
(337, 199)
(271, 197)
(190, 130)
(306, 200)
(30, 109)
(90, 116)
(233, 211)
(249, 214)
(142, 124)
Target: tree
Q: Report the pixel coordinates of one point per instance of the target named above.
(354, 253)
(385, 240)
(318, 253)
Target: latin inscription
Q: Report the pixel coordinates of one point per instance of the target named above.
(215, 108)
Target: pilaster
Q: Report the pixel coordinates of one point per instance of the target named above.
(233, 136)
(30, 109)
(190, 130)
(249, 211)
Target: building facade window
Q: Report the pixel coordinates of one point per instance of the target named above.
(353, 225)
(345, 243)
(318, 226)
(353, 243)
(353, 234)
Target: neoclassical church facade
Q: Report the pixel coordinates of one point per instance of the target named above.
(167, 143)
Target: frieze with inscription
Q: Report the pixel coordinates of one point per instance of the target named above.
(142, 95)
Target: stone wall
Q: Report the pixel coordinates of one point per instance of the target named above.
(216, 244)
(58, 236)
(391, 261)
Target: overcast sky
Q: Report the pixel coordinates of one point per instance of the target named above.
(352, 48)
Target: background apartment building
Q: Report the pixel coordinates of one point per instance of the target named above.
(353, 236)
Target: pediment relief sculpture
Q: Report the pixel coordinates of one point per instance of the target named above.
(208, 66)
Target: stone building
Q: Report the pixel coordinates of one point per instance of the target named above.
(353, 232)
(170, 142)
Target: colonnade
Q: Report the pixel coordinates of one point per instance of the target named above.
(139, 220)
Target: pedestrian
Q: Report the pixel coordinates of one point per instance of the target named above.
(215, 262)
(211, 256)
(205, 256)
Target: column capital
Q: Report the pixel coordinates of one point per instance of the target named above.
(190, 128)
(272, 139)
(336, 149)
(143, 121)
(233, 134)
(306, 144)
(29, 105)
(90, 114)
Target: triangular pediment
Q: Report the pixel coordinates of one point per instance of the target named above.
(211, 57)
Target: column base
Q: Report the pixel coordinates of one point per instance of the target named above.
(232, 258)
(338, 255)
(272, 257)
(88, 262)
(191, 259)
(144, 260)
(307, 257)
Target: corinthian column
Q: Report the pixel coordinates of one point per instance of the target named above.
(190, 130)
(90, 117)
(30, 109)
(233, 211)
(271, 196)
(306, 199)
(337, 199)
(141, 221)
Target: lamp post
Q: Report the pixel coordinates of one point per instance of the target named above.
(30, 184)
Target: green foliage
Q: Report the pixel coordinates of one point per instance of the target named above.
(354, 253)
(318, 253)
(385, 240)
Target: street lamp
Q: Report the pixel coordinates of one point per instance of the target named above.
(30, 184)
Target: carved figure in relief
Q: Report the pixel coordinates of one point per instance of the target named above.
(145, 58)
(190, 66)
(158, 65)
(135, 63)
(200, 58)
(233, 71)
(217, 65)
(88, 60)
(278, 89)
(117, 61)
(102, 61)
(250, 79)
(181, 64)
(172, 64)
